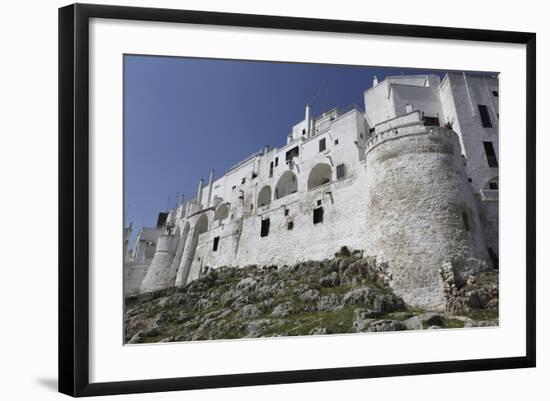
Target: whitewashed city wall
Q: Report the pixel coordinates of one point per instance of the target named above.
(413, 193)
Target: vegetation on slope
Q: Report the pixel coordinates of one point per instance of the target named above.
(346, 294)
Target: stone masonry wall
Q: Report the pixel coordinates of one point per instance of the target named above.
(417, 193)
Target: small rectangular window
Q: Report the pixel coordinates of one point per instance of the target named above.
(286, 212)
(317, 215)
(251, 206)
(490, 154)
(264, 231)
(290, 225)
(493, 185)
(292, 153)
(303, 132)
(243, 180)
(276, 161)
(495, 93)
(340, 171)
(216, 242)
(336, 141)
(271, 169)
(319, 202)
(322, 145)
(484, 114)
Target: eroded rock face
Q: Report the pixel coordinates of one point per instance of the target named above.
(347, 294)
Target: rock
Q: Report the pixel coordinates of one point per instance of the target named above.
(249, 312)
(385, 325)
(331, 280)
(413, 323)
(373, 298)
(359, 296)
(329, 303)
(255, 328)
(400, 315)
(320, 330)
(283, 309)
(136, 338)
(228, 298)
(430, 319)
(482, 323)
(151, 332)
(360, 325)
(361, 314)
(310, 296)
(240, 302)
(247, 284)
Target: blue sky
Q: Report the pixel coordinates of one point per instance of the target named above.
(186, 116)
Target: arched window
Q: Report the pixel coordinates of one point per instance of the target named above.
(320, 174)
(222, 212)
(287, 184)
(264, 197)
(202, 225)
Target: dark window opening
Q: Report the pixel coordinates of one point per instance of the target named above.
(469, 179)
(319, 202)
(161, 220)
(490, 154)
(494, 257)
(322, 145)
(292, 153)
(233, 187)
(431, 121)
(493, 185)
(243, 180)
(303, 132)
(336, 141)
(465, 221)
(251, 206)
(340, 171)
(495, 93)
(216, 242)
(254, 175)
(276, 161)
(264, 231)
(317, 215)
(286, 212)
(371, 130)
(484, 114)
(271, 169)
(332, 118)
(290, 225)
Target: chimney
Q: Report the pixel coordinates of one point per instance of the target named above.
(308, 120)
(210, 184)
(199, 192)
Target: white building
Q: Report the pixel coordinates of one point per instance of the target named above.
(413, 181)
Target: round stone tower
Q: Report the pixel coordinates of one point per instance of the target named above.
(159, 275)
(421, 212)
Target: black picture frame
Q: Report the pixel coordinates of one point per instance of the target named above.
(74, 198)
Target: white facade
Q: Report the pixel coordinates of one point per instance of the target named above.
(407, 181)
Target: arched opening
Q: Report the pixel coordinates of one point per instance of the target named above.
(320, 174)
(287, 184)
(202, 225)
(264, 197)
(222, 212)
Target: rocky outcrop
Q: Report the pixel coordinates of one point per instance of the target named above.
(346, 294)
